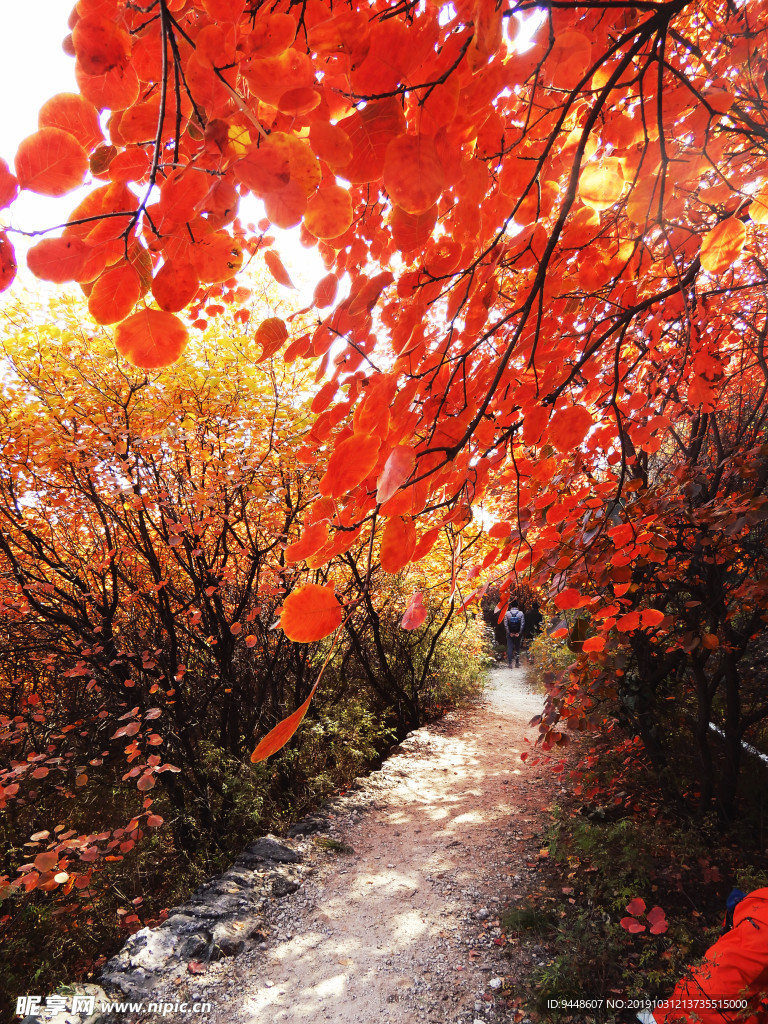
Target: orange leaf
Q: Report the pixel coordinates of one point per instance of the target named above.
(329, 212)
(568, 598)
(114, 294)
(151, 338)
(721, 247)
(271, 334)
(594, 643)
(325, 291)
(397, 544)
(568, 427)
(145, 783)
(310, 613)
(100, 45)
(397, 469)
(46, 861)
(277, 269)
(413, 174)
(51, 162)
(312, 539)
(351, 462)
(282, 732)
(175, 285)
(601, 184)
(415, 613)
(74, 114)
(7, 262)
(59, 259)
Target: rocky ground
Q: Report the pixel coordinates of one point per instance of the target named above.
(396, 916)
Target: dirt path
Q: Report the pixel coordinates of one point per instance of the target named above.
(402, 929)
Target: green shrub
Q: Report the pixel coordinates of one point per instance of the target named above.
(549, 656)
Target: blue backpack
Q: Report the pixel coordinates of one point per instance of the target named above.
(514, 621)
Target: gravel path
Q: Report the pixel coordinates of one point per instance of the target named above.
(404, 927)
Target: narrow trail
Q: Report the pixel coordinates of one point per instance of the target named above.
(403, 928)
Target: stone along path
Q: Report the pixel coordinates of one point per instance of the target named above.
(402, 927)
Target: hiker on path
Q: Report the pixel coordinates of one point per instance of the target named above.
(514, 624)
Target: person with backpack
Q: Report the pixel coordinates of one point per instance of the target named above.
(514, 624)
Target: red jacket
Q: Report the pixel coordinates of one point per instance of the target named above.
(734, 968)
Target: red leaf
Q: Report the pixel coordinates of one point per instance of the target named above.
(325, 291)
(59, 259)
(100, 44)
(51, 162)
(415, 613)
(175, 285)
(626, 623)
(721, 247)
(277, 270)
(182, 194)
(397, 544)
(74, 114)
(351, 462)
(310, 613)
(397, 469)
(568, 598)
(282, 732)
(568, 427)
(312, 539)
(631, 924)
(413, 173)
(636, 906)
(7, 262)
(46, 861)
(594, 643)
(651, 617)
(329, 212)
(151, 338)
(114, 294)
(271, 334)
(657, 919)
(9, 186)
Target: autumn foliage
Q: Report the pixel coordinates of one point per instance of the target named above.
(155, 531)
(544, 231)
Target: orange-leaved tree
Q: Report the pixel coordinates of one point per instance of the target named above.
(153, 525)
(143, 519)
